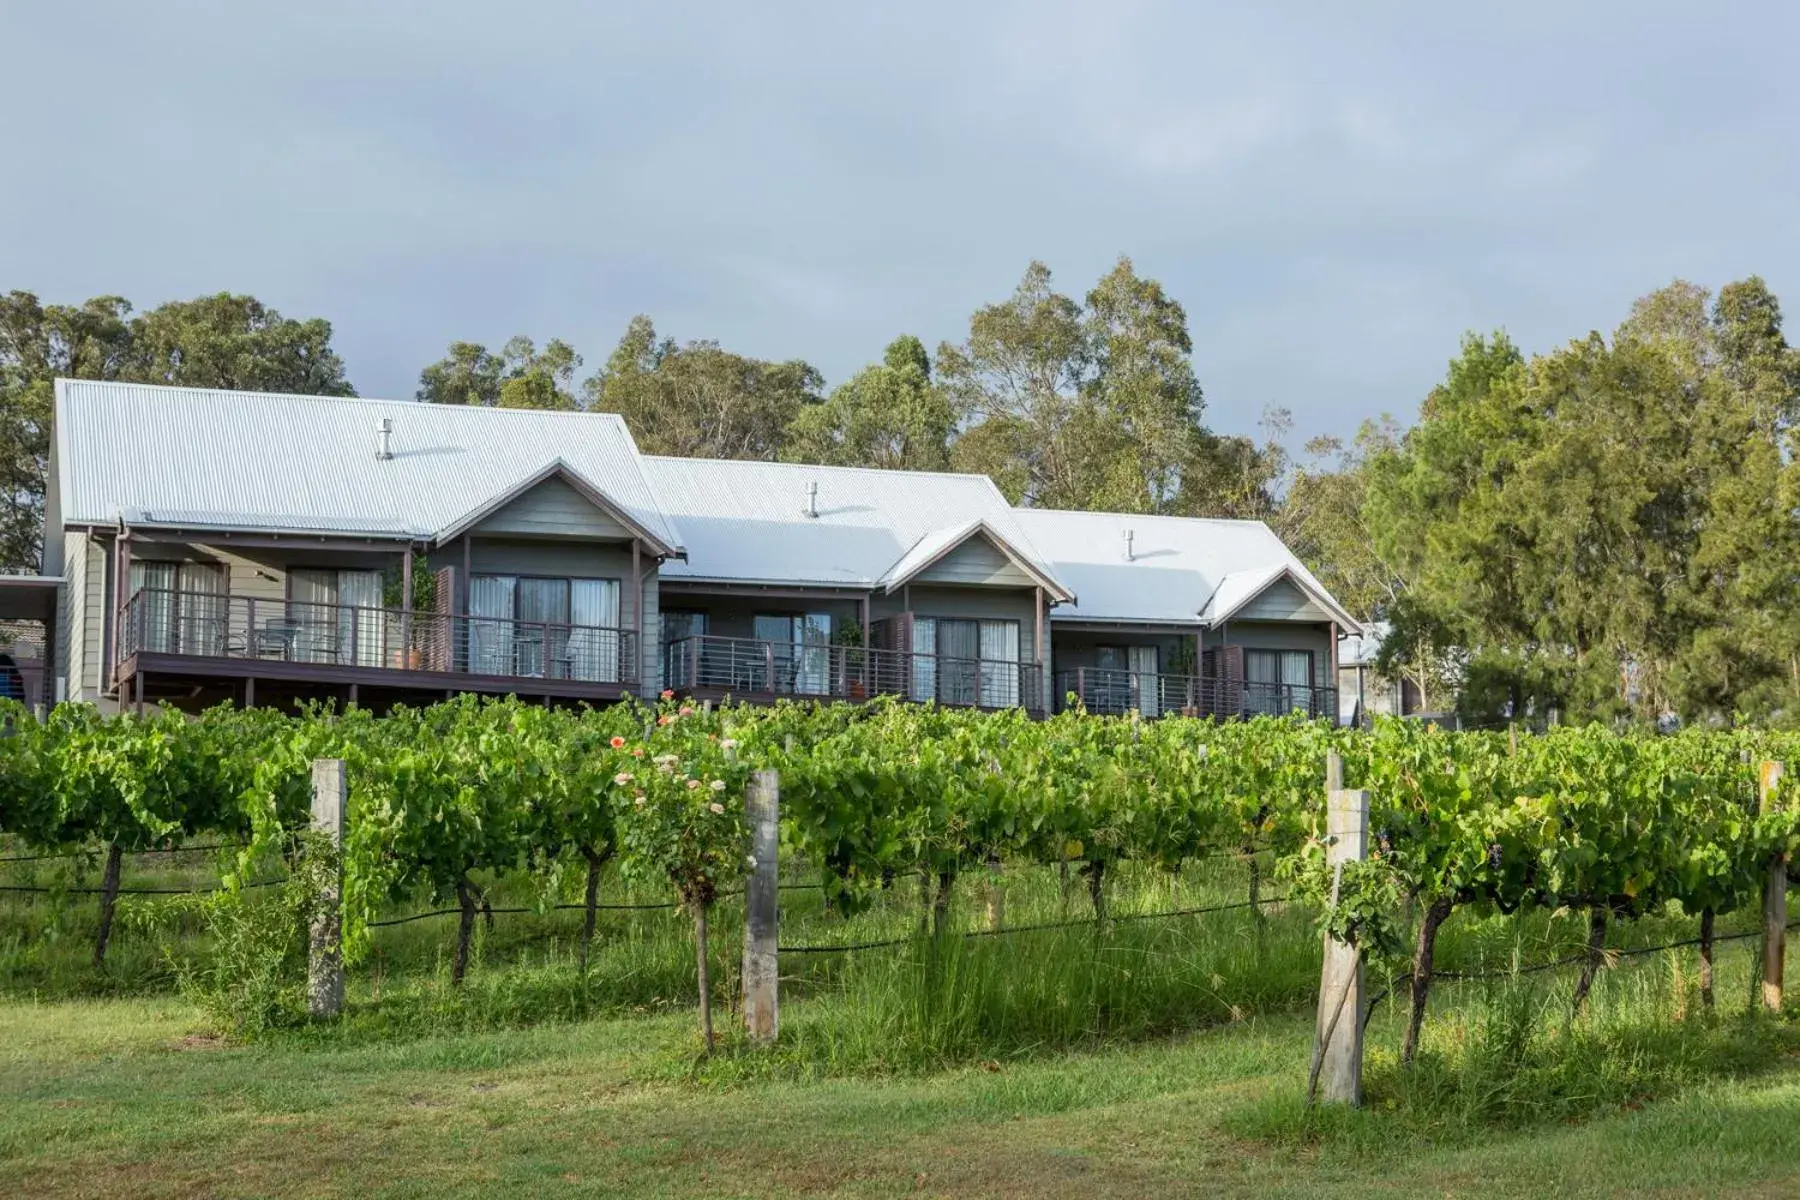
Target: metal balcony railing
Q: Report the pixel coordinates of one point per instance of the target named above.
(1153, 694)
(206, 625)
(749, 668)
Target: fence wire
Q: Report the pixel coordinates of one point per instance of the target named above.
(1558, 963)
(1085, 923)
(99, 851)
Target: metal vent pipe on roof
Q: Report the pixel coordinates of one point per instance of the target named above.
(384, 437)
(1129, 538)
(812, 499)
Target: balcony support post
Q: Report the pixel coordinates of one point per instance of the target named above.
(1037, 642)
(406, 607)
(121, 592)
(637, 610)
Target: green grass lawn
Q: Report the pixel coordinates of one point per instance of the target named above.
(129, 1097)
(1161, 1058)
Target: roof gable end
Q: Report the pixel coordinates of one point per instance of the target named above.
(513, 502)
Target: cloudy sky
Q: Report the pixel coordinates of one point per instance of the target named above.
(1335, 192)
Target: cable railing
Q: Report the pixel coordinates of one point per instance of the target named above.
(750, 668)
(217, 625)
(1112, 692)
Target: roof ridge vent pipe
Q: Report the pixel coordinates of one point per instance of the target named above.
(1130, 537)
(812, 498)
(384, 438)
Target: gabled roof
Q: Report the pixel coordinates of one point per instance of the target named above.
(1239, 588)
(939, 543)
(250, 461)
(746, 522)
(569, 475)
(1178, 569)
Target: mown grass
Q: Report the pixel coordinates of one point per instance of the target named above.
(104, 1097)
(1143, 1057)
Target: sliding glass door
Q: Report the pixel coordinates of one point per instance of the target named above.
(593, 649)
(966, 662)
(180, 608)
(1278, 681)
(801, 656)
(335, 617)
(537, 627)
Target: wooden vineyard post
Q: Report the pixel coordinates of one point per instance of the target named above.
(762, 1008)
(1338, 1043)
(1774, 939)
(325, 957)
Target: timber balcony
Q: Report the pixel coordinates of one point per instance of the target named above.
(189, 634)
(1115, 693)
(752, 670)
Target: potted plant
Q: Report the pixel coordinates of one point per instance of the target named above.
(408, 656)
(849, 636)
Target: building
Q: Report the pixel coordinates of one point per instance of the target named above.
(204, 546)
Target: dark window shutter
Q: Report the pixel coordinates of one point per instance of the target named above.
(434, 634)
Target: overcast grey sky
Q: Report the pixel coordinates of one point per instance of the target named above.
(1334, 191)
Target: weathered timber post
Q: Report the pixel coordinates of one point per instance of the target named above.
(993, 892)
(325, 958)
(1774, 939)
(1338, 1045)
(762, 1007)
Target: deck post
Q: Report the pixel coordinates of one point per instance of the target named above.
(325, 951)
(637, 610)
(406, 608)
(1775, 886)
(761, 973)
(1338, 1044)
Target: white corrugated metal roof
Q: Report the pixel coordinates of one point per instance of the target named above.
(251, 460)
(1179, 570)
(746, 521)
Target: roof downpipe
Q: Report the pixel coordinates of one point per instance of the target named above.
(384, 438)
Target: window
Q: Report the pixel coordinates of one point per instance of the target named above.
(177, 608)
(959, 661)
(1278, 680)
(333, 617)
(1124, 677)
(802, 658)
(679, 624)
(539, 627)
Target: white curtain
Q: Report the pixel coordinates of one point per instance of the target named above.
(594, 638)
(200, 608)
(359, 618)
(491, 600)
(1148, 683)
(152, 614)
(924, 662)
(1296, 668)
(1281, 678)
(315, 623)
(813, 678)
(999, 652)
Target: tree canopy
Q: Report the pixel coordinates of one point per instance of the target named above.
(221, 341)
(1607, 529)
